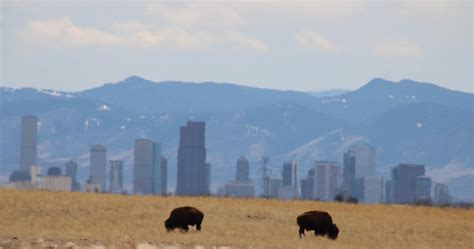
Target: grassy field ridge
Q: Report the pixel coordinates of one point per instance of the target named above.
(120, 221)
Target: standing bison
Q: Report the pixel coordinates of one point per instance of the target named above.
(182, 217)
(320, 222)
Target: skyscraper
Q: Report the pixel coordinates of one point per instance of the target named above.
(388, 192)
(441, 194)
(57, 183)
(307, 185)
(28, 145)
(193, 173)
(289, 175)
(156, 169)
(368, 189)
(146, 169)
(242, 186)
(239, 189)
(364, 164)
(116, 176)
(242, 174)
(327, 178)
(35, 173)
(348, 174)
(98, 163)
(422, 188)
(164, 176)
(207, 179)
(71, 171)
(403, 180)
(276, 184)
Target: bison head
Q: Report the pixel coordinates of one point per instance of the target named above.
(333, 231)
(169, 225)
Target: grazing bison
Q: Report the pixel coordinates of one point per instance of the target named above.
(320, 222)
(182, 217)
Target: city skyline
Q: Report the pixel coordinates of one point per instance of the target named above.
(361, 155)
(408, 183)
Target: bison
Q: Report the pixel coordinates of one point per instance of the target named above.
(319, 221)
(182, 217)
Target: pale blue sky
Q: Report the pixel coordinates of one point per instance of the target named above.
(68, 45)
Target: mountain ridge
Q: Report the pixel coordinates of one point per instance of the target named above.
(240, 120)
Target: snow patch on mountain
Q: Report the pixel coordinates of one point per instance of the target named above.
(91, 121)
(253, 131)
(103, 108)
(327, 101)
(55, 93)
(164, 117)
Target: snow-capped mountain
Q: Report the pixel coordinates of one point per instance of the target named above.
(405, 122)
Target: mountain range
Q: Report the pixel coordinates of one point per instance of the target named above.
(406, 121)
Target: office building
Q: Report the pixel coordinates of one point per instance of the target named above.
(276, 184)
(307, 185)
(164, 176)
(239, 189)
(21, 180)
(348, 173)
(193, 172)
(368, 189)
(156, 170)
(146, 169)
(35, 174)
(242, 186)
(327, 180)
(57, 183)
(441, 194)
(207, 179)
(403, 180)
(28, 142)
(422, 188)
(92, 186)
(388, 192)
(142, 166)
(116, 176)
(54, 171)
(71, 171)
(289, 175)
(364, 156)
(242, 170)
(23, 185)
(98, 164)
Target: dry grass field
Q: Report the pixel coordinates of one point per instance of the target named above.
(38, 218)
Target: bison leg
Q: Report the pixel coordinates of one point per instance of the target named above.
(198, 226)
(185, 228)
(318, 232)
(301, 231)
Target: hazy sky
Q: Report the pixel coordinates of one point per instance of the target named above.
(69, 45)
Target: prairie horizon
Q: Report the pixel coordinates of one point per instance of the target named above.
(126, 221)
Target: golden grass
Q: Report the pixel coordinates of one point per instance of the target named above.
(122, 221)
